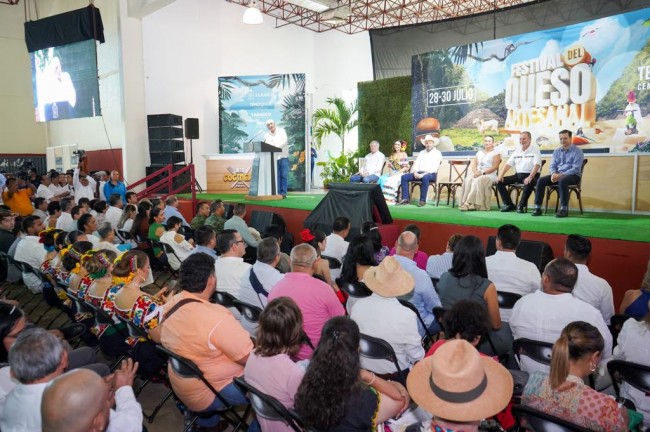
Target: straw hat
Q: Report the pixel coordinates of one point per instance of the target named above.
(389, 279)
(457, 384)
(435, 140)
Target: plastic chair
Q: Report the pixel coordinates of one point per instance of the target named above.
(378, 349)
(186, 368)
(507, 300)
(357, 290)
(576, 188)
(457, 172)
(268, 407)
(334, 263)
(536, 350)
(616, 325)
(224, 299)
(249, 312)
(636, 375)
(529, 419)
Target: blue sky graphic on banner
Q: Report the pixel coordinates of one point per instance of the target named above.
(246, 102)
(592, 78)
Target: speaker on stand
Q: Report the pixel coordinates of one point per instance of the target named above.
(192, 133)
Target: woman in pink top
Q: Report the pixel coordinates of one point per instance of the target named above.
(269, 368)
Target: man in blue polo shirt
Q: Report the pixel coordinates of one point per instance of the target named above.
(565, 169)
(115, 186)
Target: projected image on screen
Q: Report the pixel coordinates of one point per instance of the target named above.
(65, 82)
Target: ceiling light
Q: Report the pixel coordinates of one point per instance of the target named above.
(253, 15)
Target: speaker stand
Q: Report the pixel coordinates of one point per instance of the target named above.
(191, 154)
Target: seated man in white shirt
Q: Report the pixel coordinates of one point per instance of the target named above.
(65, 221)
(40, 208)
(398, 325)
(182, 248)
(31, 251)
(590, 288)
(257, 283)
(44, 190)
(114, 211)
(374, 163)
(424, 169)
(541, 316)
(336, 246)
(230, 267)
(439, 264)
(507, 271)
(36, 358)
(81, 387)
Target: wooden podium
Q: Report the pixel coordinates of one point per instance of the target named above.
(263, 169)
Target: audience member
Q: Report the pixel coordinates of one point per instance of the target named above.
(71, 263)
(565, 170)
(40, 208)
(420, 257)
(44, 191)
(126, 220)
(337, 247)
(132, 198)
(467, 320)
(88, 225)
(217, 343)
(589, 287)
(140, 225)
(508, 272)
(114, 211)
(230, 267)
(270, 368)
(182, 248)
(318, 240)
(423, 296)
(336, 394)
(83, 184)
(102, 178)
(477, 187)
(30, 251)
(100, 208)
(372, 167)
(634, 346)
(636, 303)
(114, 186)
(424, 170)
(202, 213)
(107, 238)
(156, 227)
(527, 161)
(7, 223)
(216, 219)
(277, 232)
(64, 221)
(257, 283)
(53, 213)
(359, 258)
(18, 196)
(35, 359)
(439, 264)
(171, 209)
(315, 298)
(371, 230)
(387, 282)
(563, 393)
(237, 222)
(542, 315)
(459, 388)
(205, 241)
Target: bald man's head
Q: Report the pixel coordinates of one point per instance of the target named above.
(407, 244)
(64, 395)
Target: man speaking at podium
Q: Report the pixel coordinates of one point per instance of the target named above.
(278, 137)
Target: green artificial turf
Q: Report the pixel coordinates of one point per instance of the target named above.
(600, 225)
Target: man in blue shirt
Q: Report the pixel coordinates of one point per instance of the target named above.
(171, 209)
(565, 169)
(115, 186)
(205, 240)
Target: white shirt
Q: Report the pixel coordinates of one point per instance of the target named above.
(29, 250)
(542, 317)
(278, 139)
(81, 191)
(439, 264)
(634, 346)
(21, 409)
(181, 249)
(113, 216)
(40, 213)
(127, 416)
(44, 192)
(595, 291)
(336, 247)
(109, 246)
(7, 384)
(230, 271)
(268, 277)
(484, 161)
(101, 191)
(92, 238)
(374, 163)
(427, 161)
(525, 160)
(128, 224)
(398, 327)
(509, 273)
(66, 223)
(57, 189)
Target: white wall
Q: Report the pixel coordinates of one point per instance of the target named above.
(20, 132)
(190, 43)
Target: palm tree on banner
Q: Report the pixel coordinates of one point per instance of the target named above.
(337, 121)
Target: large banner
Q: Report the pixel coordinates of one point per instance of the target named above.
(591, 78)
(247, 102)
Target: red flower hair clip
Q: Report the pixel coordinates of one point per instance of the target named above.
(306, 235)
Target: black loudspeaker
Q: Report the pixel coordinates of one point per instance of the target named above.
(192, 128)
(166, 146)
(178, 181)
(160, 120)
(539, 253)
(162, 159)
(166, 132)
(261, 219)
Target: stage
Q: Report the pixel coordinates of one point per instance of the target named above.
(621, 242)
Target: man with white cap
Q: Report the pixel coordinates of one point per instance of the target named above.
(459, 387)
(374, 163)
(398, 325)
(424, 169)
(278, 137)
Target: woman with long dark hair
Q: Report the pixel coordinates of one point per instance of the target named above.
(318, 240)
(336, 394)
(141, 222)
(371, 230)
(269, 367)
(563, 393)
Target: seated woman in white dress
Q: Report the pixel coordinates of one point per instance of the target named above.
(182, 248)
(482, 174)
(397, 165)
